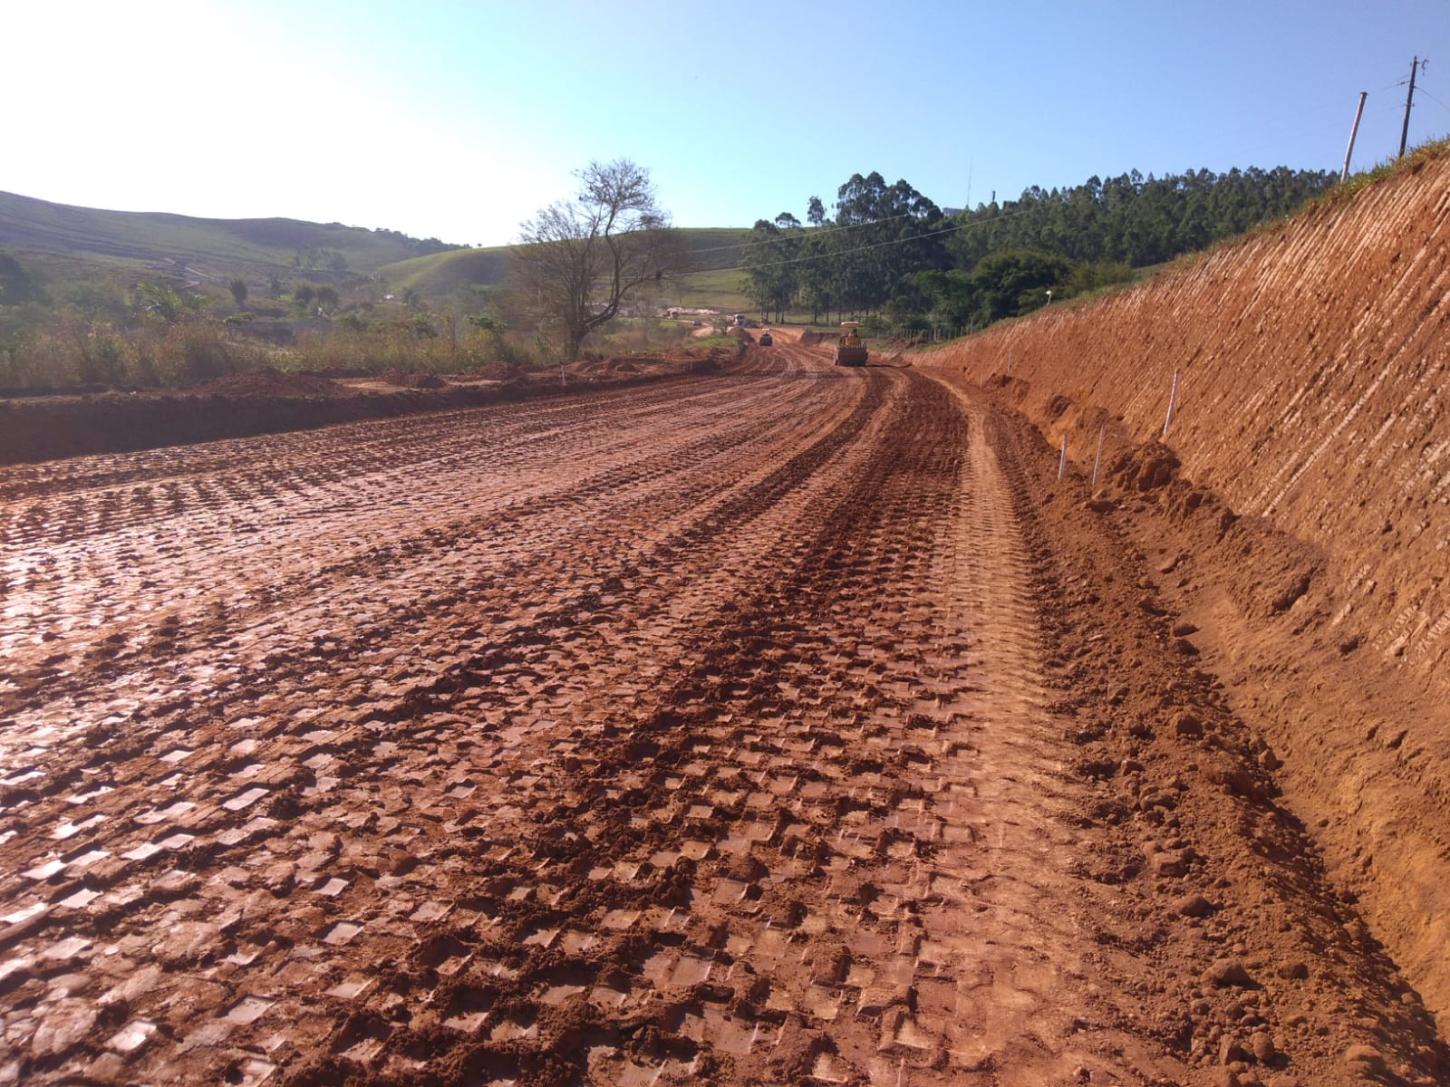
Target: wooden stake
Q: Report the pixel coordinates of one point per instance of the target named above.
(1172, 400)
(1098, 460)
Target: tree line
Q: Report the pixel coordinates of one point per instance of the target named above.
(892, 254)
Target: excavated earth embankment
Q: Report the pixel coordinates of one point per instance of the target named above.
(1297, 511)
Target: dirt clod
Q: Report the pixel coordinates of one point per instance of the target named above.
(1228, 972)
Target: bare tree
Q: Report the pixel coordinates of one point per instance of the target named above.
(582, 259)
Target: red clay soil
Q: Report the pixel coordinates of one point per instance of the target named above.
(270, 382)
(787, 726)
(1304, 535)
(1312, 361)
(267, 401)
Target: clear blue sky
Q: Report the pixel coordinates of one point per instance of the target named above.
(459, 119)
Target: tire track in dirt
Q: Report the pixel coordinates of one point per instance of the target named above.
(532, 485)
(1239, 957)
(251, 744)
(832, 994)
(1022, 1009)
(70, 557)
(752, 752)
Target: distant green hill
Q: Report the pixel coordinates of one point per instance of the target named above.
(69, 243)
(436, 275)
(439, 274)
(205, 248)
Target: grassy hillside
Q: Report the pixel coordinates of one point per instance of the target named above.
(71, 244)
(439, 274)
(711, 249)
(719, 290)
(207, 248)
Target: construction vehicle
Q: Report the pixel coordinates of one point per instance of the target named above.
(850, 349)
(766, 339)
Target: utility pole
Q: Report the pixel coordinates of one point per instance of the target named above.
(1353, 132)
(1415, 64)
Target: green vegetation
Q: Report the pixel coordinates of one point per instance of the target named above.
(713, 254)
(106, 328)
(84, 293)
(892, 255)
(717, 290)
(1135, 220)
(591, 259)
(446, 274)
(1414, 160)
(131, 299)
(213, 249)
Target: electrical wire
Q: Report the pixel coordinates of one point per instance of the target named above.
(1432, 98)
(859, 249)
(847, 252)
(815, 232)
(834, 229)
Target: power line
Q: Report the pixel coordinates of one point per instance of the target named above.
(814, 232)
(1422, 89)
(859, 249)
(999, 217)
(819, 231)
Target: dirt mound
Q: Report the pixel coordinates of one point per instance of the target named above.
(811, 339)
(498, 370)
(270, 382)
(413, 380)
(710, 364)
(266, 402)
(690, 360)
(1144, 467)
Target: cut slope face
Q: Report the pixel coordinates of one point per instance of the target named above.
(1312, 363)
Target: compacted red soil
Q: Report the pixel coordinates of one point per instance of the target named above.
(779, 725)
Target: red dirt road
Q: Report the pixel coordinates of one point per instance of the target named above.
(777, 726)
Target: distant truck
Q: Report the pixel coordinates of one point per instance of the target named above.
(741, 320)
(850, 350)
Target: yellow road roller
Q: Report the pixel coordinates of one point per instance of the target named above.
(850, 349)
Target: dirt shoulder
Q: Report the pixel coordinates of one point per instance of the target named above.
(1256, 759)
